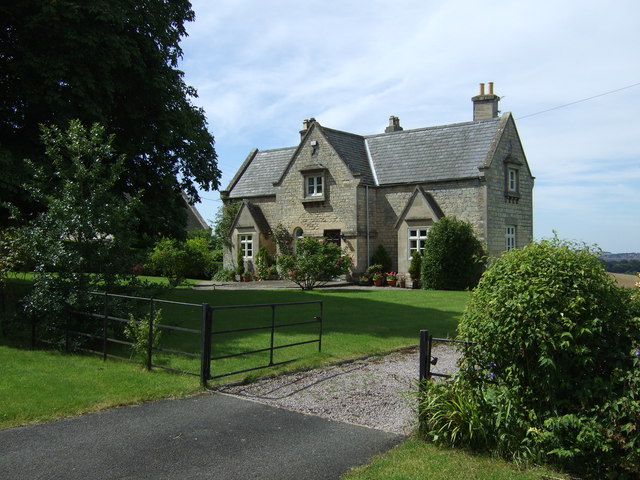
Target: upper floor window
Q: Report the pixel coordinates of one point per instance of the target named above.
(246, 246)
(314, 185)
(510, 237)
(512, 180)
(417, 238)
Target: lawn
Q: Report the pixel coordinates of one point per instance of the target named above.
(42, 385)
(356, 322)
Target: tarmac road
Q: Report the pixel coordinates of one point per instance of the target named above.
(209, 436)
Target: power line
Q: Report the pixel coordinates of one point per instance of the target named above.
(579, 101)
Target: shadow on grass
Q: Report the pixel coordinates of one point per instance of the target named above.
(356, 323)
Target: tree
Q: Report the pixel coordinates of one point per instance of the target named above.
(222, 225)
(114, 63)
(452, 256)
(82, 240)
(314, 263)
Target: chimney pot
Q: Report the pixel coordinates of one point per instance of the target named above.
(485, 106)
(394, 125)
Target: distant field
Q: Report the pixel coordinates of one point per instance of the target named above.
(625, 280)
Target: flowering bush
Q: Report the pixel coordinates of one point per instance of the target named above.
(314, 263)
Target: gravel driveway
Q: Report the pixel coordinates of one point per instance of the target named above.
(377, 392)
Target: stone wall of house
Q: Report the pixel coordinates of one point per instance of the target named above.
(463, 199)
(503, 208)
(337, 210)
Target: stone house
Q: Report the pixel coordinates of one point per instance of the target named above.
(388, 189)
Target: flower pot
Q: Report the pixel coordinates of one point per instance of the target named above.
(391, 283)
(378, 282)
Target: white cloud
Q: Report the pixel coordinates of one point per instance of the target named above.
(262, 67)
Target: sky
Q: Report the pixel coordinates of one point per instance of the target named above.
(569, 72)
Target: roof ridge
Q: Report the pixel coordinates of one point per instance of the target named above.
(344, 132)
(433, 127)
(277, 149)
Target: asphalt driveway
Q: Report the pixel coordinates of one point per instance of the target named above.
(210, 436)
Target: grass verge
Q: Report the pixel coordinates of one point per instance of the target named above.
(415, 459)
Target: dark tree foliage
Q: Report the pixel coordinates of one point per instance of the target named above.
(630, 267)
(114, 63)
(452, 258)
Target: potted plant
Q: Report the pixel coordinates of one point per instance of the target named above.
(392, 278)
(364, 281)
(247, 275)
(402, 281)
(377, 279)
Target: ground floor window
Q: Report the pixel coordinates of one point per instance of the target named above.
(246, 246)
(417, 239)
(510, 237)
(332, 236)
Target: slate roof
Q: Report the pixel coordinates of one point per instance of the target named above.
(257, 174)
(446, 152)
(352, 150)
(432, 154)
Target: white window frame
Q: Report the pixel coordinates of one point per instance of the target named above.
(510, 233)
(512, 180)
(245, 243)
(416, 238)
(314, 185)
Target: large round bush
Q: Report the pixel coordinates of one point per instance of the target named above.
(555, 364)
(452, 258)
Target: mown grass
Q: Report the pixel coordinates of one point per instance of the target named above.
(415, 459)
(38, 386)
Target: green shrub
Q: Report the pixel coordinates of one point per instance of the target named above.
(239, 262)
(171, 260)
(224, 275)
(556, 363)
(381, 257)
(315, 263)
(265, 264)
(415, 266)
(137, 332)
(452, 256)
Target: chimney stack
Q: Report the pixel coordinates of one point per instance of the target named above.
(306, 123)
(394, 125)
(485, 106)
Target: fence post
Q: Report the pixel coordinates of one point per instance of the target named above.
(105, 311)
(425, 355)
(321, 320)
(273, 333)
(205, 344)
(150, 345)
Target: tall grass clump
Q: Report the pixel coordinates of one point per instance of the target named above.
(554, 372)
